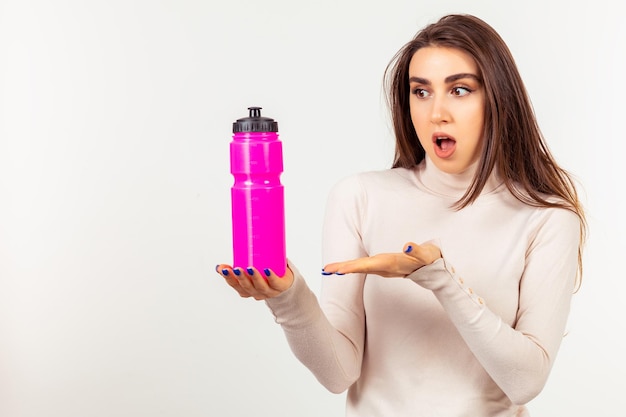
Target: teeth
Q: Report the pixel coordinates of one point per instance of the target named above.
(439, 140)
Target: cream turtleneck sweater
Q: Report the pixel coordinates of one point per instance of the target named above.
(473, 334)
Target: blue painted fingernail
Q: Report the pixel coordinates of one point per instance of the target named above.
(408, 249)
(250, 271)
(225, 272)
(267, 272)
(326, 273)
(237, 271)
(339, 273)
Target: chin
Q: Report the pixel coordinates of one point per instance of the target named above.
(449, 167)
(453, 167)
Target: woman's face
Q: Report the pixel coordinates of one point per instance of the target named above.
(447, 106)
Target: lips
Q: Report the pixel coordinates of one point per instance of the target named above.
(443, 144)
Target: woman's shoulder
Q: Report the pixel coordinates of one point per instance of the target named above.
(546, 212)
(375, 180)
(544, 205)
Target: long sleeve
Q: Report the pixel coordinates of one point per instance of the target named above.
(518, 358)
(329, 354)
(478, 340)
(330, 342)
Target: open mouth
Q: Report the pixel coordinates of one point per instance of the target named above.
(444, 145)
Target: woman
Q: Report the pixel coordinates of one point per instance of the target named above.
(469, 321)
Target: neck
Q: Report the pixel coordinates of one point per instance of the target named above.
(453, 185)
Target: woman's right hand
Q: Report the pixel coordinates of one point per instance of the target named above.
(259, 285)
(392, 265)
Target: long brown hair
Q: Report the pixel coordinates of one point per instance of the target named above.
(513, 142)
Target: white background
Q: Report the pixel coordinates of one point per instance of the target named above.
(115, 120)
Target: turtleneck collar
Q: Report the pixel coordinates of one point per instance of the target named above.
(452, 185)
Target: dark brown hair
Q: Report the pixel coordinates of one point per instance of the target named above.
(513, 142)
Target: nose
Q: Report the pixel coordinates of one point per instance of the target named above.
(439, 111)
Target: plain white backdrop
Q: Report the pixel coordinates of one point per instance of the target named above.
(115, 120)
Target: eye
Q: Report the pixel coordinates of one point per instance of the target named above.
(420, 92)
(460, 91)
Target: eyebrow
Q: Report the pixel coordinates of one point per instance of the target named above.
(447, 80)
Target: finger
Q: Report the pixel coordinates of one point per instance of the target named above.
(226, 271)
(360, 265)
(389, 264)
(277, 283)
(425, 253)
(230, 276)
(244, 278)
(219, 267)
(409, 248)
(338, 268)
(260, 289)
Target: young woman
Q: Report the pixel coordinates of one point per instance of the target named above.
(468, 320)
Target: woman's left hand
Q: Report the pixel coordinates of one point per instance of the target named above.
(413, 257)
(250, 283)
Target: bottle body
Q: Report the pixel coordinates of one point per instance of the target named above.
(258, 206)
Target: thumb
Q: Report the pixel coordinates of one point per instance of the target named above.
(426, 253)
(409, 248)
(279, 283)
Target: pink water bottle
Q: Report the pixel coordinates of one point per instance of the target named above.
(258, 203)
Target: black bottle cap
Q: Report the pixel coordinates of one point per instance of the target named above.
(255, 122)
